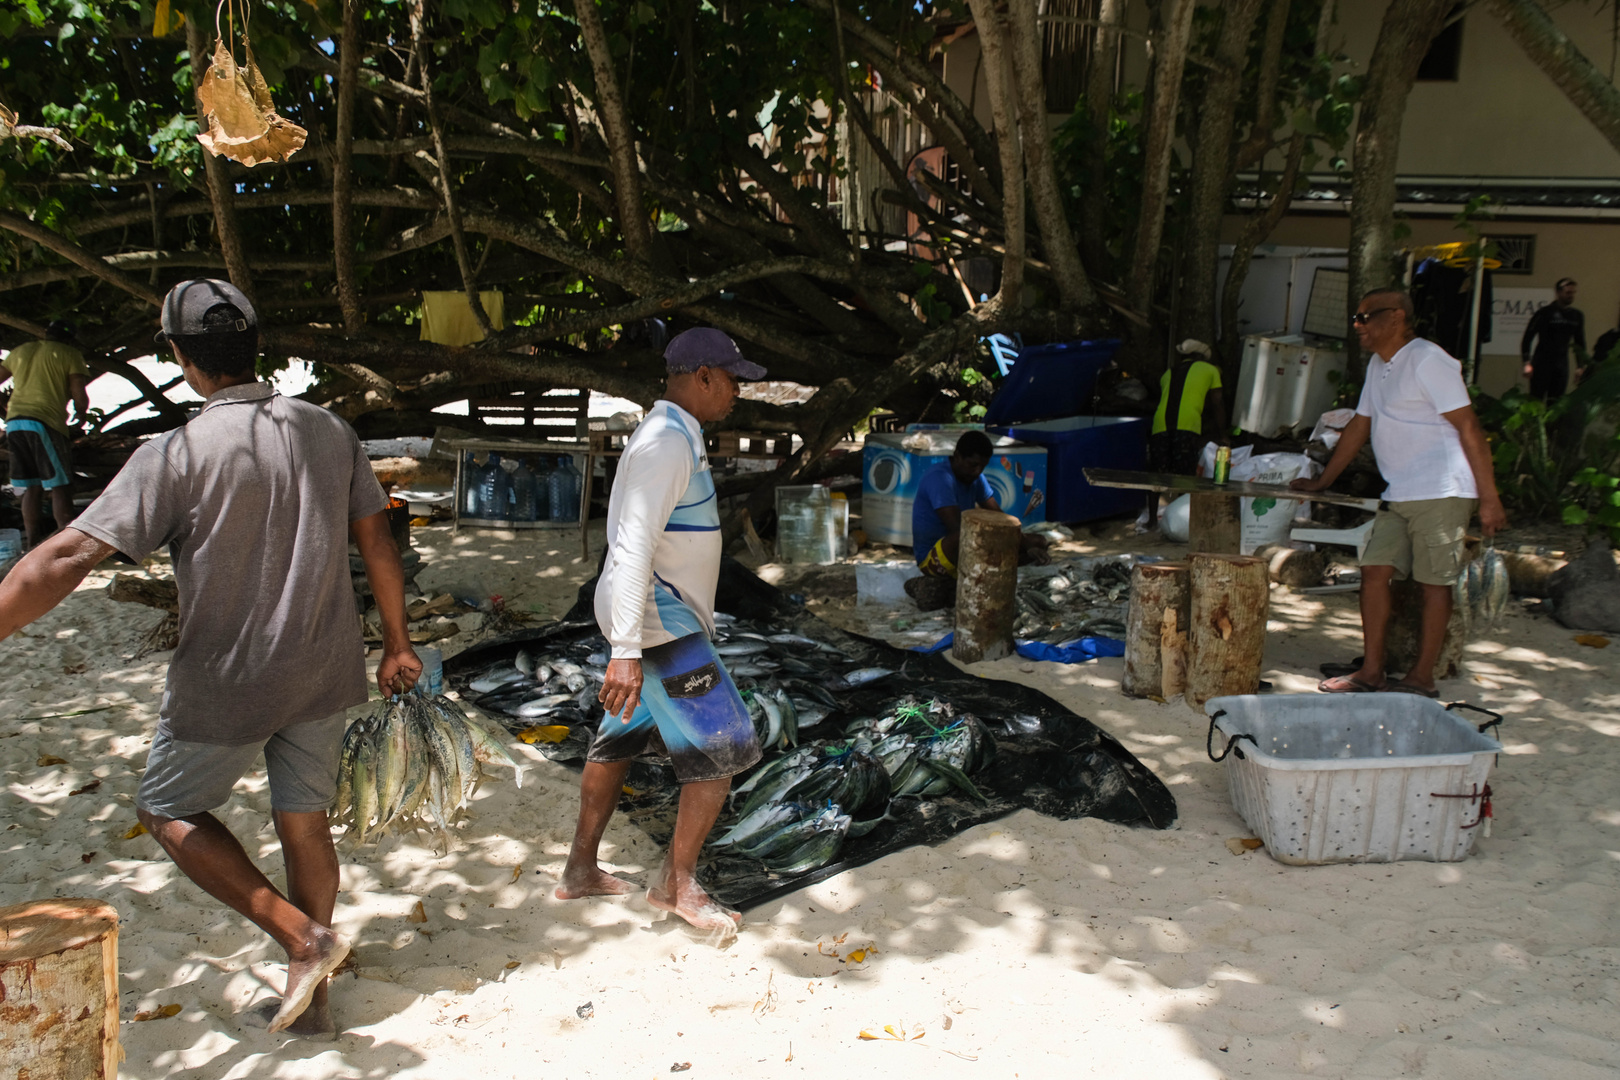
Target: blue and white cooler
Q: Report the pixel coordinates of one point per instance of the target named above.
(894, 465)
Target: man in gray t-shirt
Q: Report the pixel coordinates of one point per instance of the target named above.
(256, 499)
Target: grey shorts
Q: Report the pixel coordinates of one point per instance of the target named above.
(186, 778)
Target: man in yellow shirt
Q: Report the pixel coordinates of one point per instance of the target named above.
(1189, 402)
(44, 376)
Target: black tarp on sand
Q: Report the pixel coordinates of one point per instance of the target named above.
(1049, 759)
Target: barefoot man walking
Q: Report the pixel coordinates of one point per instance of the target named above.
(255, 499)
(655, 604)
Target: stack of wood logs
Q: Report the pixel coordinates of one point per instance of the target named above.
(1196, 628)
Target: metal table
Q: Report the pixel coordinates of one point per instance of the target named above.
(1214, 524)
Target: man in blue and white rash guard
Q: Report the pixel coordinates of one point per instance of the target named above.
(655, 604)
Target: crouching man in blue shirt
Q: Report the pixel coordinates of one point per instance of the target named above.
(946, 490)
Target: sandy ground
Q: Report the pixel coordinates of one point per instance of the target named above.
(1025, 946)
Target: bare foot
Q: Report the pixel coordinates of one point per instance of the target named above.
(314, 1023)
(304, 977)
(592, 881)
(688, 900)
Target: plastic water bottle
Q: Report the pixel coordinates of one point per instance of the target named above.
(495, 492)
(542, 490)
(563, 488)
(524, 499)
(471, 477)
(431, 681)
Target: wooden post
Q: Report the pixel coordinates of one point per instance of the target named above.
(1213, 523)
(1156, 588)
(59, 986)
(986, 586)
(1227, 635)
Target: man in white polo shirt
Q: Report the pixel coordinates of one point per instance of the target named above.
(1433, 454)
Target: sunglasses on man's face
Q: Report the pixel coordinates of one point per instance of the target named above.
(1362, 318)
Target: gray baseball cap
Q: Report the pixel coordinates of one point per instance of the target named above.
(707, 347)
(205, 306)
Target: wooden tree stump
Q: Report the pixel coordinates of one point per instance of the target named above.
(1292, 567)
(1156, 588)
(1227, 633)
(986, 586)
(1213, 523)
(59, 990)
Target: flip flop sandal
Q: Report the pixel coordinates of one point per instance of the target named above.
(1335, 668)
(1408, 688)
(1345, 684)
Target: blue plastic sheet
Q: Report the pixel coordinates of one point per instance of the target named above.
(1073, 652)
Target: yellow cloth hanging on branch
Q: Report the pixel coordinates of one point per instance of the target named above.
(448, 319)
(242, 120)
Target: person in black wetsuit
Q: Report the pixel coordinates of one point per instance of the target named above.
(1552, 330)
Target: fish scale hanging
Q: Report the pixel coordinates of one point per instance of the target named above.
(242, 121)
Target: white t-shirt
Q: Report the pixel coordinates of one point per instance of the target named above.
(1418, 450)
(663, 536)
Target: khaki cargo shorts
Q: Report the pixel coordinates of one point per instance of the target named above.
(1421, 539)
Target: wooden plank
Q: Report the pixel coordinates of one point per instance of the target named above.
(1174, 484)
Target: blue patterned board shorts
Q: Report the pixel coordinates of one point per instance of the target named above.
(689, 700)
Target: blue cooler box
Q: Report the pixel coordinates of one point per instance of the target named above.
(894, 464)
(1076, 443)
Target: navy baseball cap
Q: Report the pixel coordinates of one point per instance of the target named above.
(708, 347)
(205, 306)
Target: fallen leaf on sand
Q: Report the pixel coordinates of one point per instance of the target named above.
(1596, 641)
(860, 955)
(158, 1014)
(1239, 845)
(517, 872)
(91, 786)
(545, 733)
(75, 669)
(418, 914)
(680, 1066)
(87, 856)
(50, 759)
(134, 831)
(510, 964)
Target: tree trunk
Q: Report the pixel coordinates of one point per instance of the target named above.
(343, 172)
(220, 190)
(620, 136)
(1227, 634)
(986, 587)
(1211, 178)
(998, 75)
(59, 985)
(1074, 289)
(1099, 109)
(1213, 523)
(1550, 49)
(1408, 29)
(1169, 60)
(1159, 591)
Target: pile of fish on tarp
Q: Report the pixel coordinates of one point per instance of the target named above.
(415, 760)
(1067, 601)
(868, 748)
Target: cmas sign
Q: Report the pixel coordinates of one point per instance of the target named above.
(1510, 314)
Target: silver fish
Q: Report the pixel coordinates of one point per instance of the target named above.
(743, 648)
(862, 676)
(525, 661)
(495, 678)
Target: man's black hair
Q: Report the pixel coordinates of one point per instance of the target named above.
(59, 330)
(220, 351)
(975, 446)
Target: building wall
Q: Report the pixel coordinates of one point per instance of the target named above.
(1503, 116)
(1583, 251)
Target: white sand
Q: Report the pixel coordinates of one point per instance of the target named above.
(1028, 946)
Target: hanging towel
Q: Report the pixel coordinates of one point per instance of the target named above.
(447, 317)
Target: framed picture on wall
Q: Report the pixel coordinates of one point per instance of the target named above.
(1518, 253)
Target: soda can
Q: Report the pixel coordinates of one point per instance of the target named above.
(1223, 463)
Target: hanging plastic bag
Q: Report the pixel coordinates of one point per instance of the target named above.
(242, 121)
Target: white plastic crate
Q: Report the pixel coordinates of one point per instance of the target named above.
(1325, 778)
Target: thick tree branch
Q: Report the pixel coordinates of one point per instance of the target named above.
(618, 131)
(1550, 49)
(75, 254)
(999, 76)
(1168, 62)
(343, 171)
